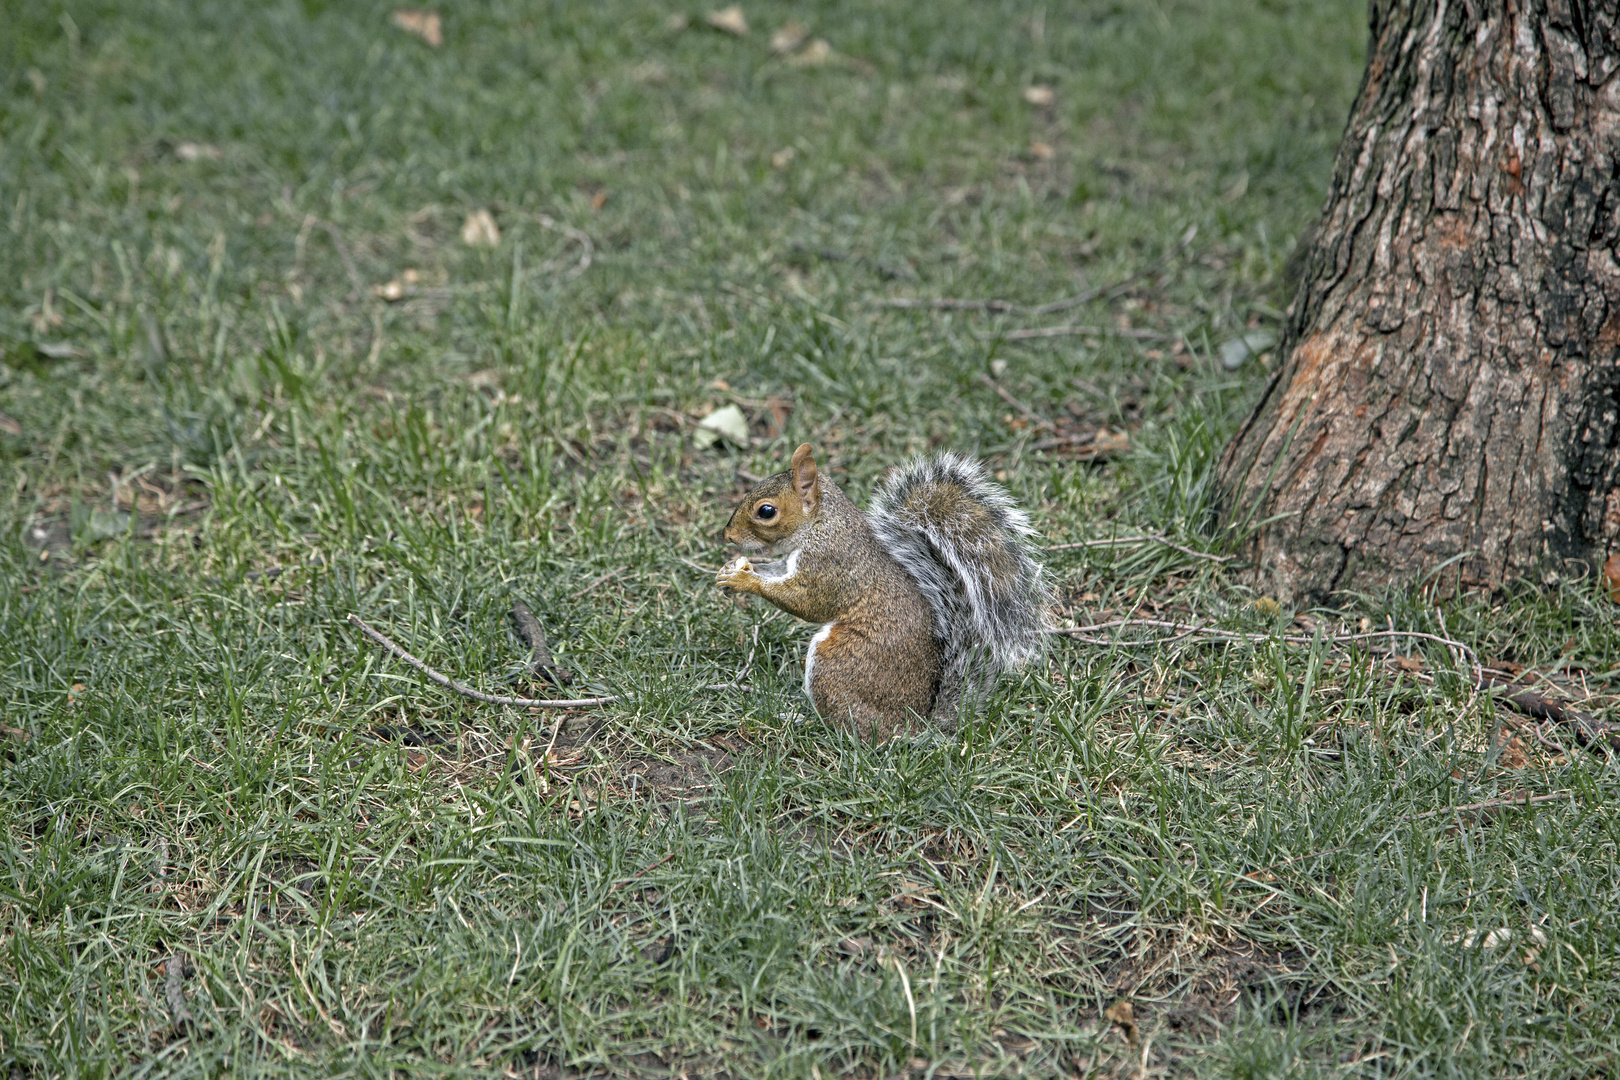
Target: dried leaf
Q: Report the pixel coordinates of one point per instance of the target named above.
(815, 54)
(783, 157)
(424, 24)
(479, 230)
(789, 36)
(1512, 755)
(9, 425)
(1039, 95)
(728, 423)
(599, 199)
(730, 19)
(1041, 151)
(1120, 1014)
(1611, 576)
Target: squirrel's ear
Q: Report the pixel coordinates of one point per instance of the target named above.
(806, 481)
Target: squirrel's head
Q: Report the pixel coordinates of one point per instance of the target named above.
(779, 505)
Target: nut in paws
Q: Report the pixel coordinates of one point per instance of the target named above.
(737, 574)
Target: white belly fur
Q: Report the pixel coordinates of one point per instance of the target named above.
(810, 660)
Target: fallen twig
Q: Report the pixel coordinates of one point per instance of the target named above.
(577, 593)
(587, 248)
(884, 269)
(1518, 798)
(1588, 729)
(1185, 630)
(1029, 414)
(500, 699)
(466, 691)
(1145, 538)
(1008, 307)
(643, 870)
(1072, 330)
(174, 990)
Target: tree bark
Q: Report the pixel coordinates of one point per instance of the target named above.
(1448, 405)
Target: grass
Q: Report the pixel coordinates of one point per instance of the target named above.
(220, 442)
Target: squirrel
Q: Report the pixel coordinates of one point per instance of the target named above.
(924, 600)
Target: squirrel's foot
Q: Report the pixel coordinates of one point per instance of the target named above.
(738, 574)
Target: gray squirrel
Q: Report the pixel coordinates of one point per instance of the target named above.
(924, 600)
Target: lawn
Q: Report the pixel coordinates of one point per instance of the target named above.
(254, 378)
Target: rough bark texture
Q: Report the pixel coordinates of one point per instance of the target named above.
(1450, 388)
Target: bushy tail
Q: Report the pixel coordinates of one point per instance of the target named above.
(971, 552)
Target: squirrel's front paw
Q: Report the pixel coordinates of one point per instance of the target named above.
(738, 574)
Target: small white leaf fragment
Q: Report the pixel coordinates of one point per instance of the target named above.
(424, 24)
(191, 151)
(730, 19)
(789, 37)
(479, 230)
(815, 54)
(1501, 936)
(728, 423)
(1039, 95)
(1239, 349)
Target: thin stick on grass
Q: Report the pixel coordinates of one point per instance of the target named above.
(577, 593)
(650, 866)
(1145, 538)
(1517, 799)
(1076, 330)
(1029, 414)
(501, 699)
(468, 692)
(1008, 307)
(1184, 630)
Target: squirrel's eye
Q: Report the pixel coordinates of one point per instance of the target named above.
(765, 512)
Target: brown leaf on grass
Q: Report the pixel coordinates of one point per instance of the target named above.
(1041, 96)
(1120, 1014)
(424, 24)
(789, 36)
(730, 19)
(599, 199)
(10, 425)
(1041, 151)
(783, 157)
(779, 411)
(815, 54)
(480, 230)
(1611, 576)
(1512, 755)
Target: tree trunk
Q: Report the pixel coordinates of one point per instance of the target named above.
(1449, 398)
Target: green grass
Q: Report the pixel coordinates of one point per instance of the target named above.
(228, 443)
